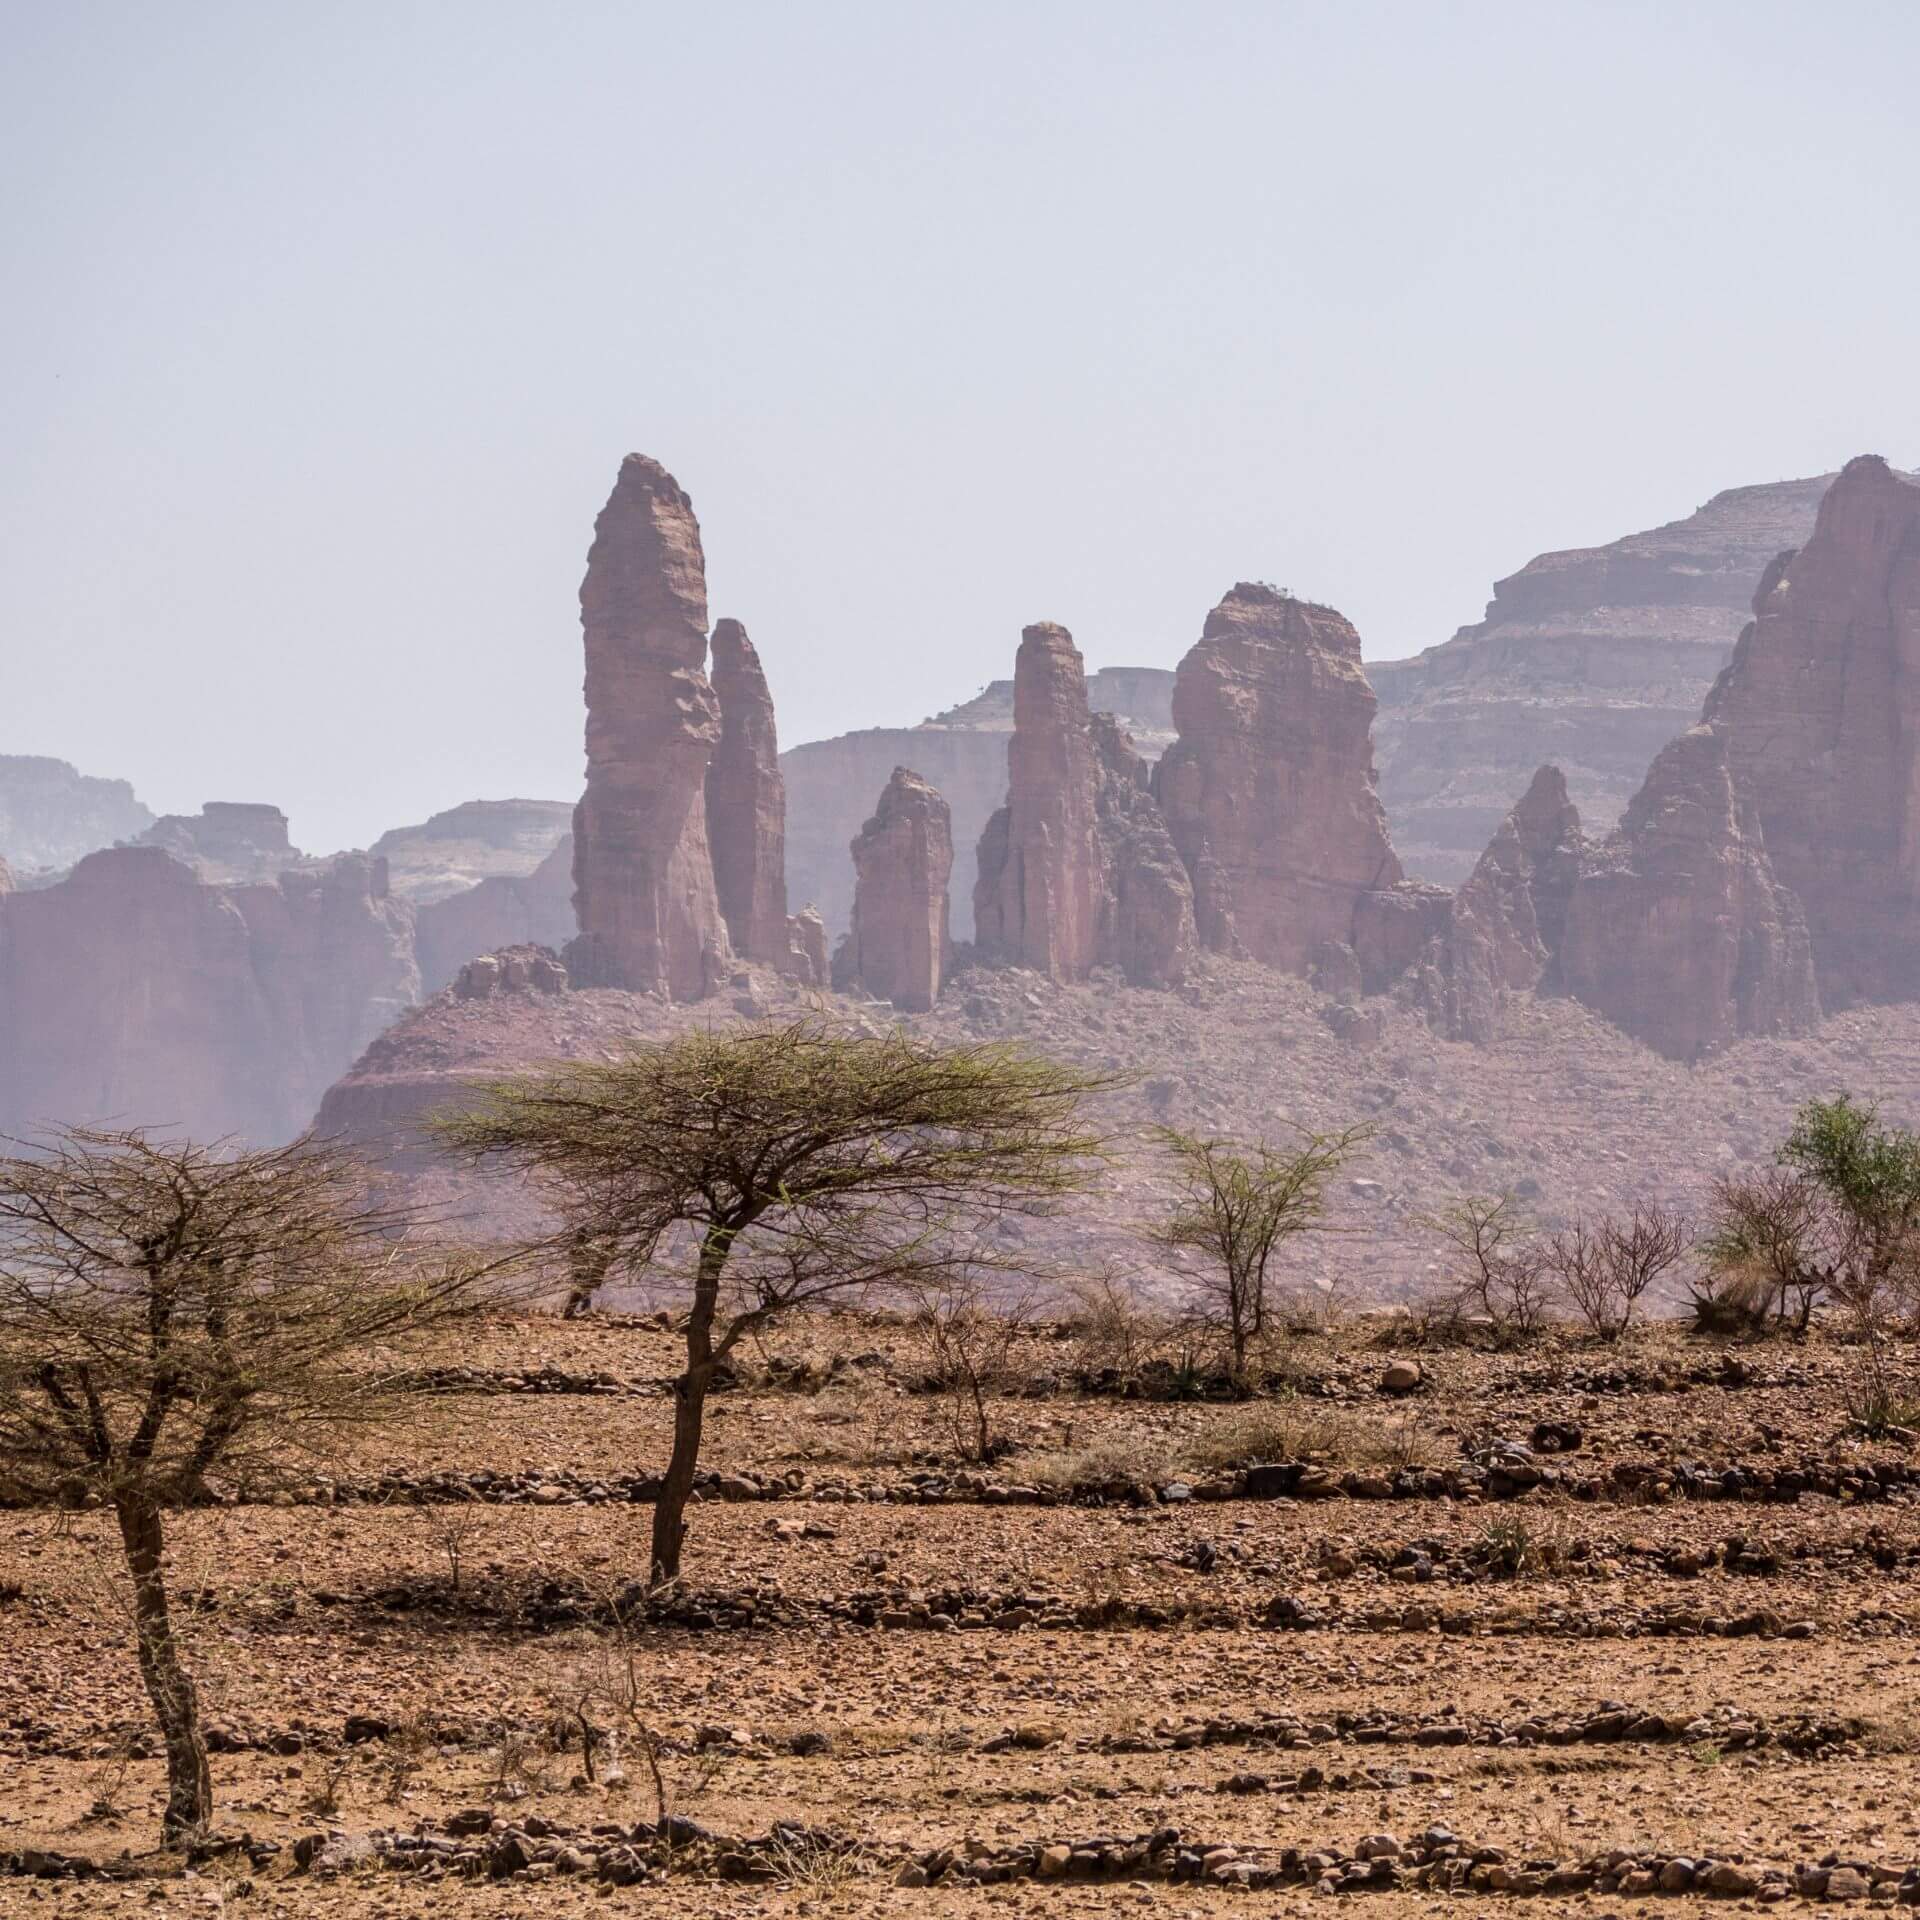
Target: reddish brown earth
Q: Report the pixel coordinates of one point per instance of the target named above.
(898, 947)
(644, 891)
(899, 1667)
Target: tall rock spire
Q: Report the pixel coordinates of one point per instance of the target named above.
(747, 803)
(644, 890)
(898, 947)
(1269, 790)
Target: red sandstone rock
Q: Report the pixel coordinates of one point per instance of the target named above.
(1268, 791)
(521, 969)
(747, 803)
(1820, 708)
(1677, 930)
(806, 957)
(1077, 869)
(644, 890)
(897, 947)
(132, 992)
(1508, 921)
(233, 840)
(504, 910)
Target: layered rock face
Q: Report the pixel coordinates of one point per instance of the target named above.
(478, 840)
(1077, 870)
(52, 815)
(1591, 659)
(1820, 709)
(502, 911)
(747, 803)
(1508, 922)
(227, 840)
(135, 993)
(644, 892)
(1677, 929)
(963, 751)
(898, 946)
(1268, 791)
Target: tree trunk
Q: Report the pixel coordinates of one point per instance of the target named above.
(176, 1704)
(689, 1408)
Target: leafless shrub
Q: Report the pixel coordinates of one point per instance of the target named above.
(1500, 1268)
(1604, 1270)
(1112, 1329)
(969, 1346)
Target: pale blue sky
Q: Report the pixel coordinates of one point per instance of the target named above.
(326, 327)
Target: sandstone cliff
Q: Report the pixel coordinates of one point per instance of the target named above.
(133, 992)
(1591, 659)
(1508, 921)
(1820, 708)
(898, 947)
(52, 815)
(235, 840)
(1077, 870)
(477, 840)
(644, 891)
(963, 751)
(747, 802)
(1268, 791)
(504, 910)
(1678, 931)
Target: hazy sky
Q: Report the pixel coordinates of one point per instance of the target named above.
(326, 326)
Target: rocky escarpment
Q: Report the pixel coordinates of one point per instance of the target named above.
(1820, 709)
(898, 946)
(963, 752)
(1678, 931)
(1077, 870)
(1269, 795)
(747, 802)
(644, 889)
(504, 910)
(135, 993)
(1507, 923)
(1591, 659)
(1674, 927)
(52, 815)
(227, 840)
(478, 840)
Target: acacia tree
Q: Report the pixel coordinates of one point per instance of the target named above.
(1234, 1205)
(169, 1311)
(776, 1167)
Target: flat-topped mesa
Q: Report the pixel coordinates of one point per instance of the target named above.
(1077, 870)
(1508, 921)
(227, 840)
(898, 947)
(1269, 790)
(1820, 710)
(747, 803)
(1677, 930)
(644, 891)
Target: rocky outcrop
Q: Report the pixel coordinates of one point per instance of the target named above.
(1677, 929)
(136, 993)
(52, 815)
(807, 948)
(1820, 709)
(502, 911)
(227, 840)
(1268, 791)
(1508, 922)
(1077, 870)
(747, 803)
(525, 969)
(898, 947)
(644, 890)
(459, 847)
(963, 751)
(1591, 659)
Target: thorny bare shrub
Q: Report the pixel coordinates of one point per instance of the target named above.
(1114, 1331)
(968, 1343)
(1603, 1270)
(1499, 1275)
